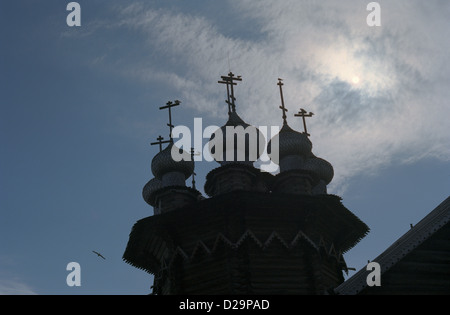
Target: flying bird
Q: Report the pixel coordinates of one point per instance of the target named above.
(98, 254)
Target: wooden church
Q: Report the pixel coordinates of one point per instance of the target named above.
(258, 233)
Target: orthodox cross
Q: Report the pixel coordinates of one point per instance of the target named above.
(303, 113)
(282, 107)
(160, 142)
(193, 153)
(228, 80)
(169, 106)
(193, 173)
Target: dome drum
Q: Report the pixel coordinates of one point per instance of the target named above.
(320, 188)
(296, 182)
(174, 198)
(231, 177)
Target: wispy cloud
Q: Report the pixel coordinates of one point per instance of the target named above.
(10, 284)
(380, 94)
(15, 287)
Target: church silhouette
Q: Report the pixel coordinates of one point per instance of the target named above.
(259, 233)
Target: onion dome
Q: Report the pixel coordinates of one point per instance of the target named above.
(172, 160)
(290, 142)
(322, 168)
(150, 188)
(245, 142)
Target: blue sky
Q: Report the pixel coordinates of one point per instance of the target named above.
(79, 107)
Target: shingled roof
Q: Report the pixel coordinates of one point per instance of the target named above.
(417, 263)
(265, 216)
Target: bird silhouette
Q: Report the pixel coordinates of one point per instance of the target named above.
(98, 254)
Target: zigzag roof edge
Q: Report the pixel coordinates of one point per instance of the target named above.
(272, 236)
(235, 245)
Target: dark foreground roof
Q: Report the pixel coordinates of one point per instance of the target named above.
(417, 263)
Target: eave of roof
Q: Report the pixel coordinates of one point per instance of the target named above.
(336, 219)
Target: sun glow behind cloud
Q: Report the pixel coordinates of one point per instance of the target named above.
(368, 87)
(349, 62)
(355, 79)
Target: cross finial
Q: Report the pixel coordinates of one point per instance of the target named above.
(229, 81)
(193, 153)
(160, 142)
(282, 107)
(193, 173)
(169, 105)
(303, 113)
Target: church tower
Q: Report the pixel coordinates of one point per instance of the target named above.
(255, 233)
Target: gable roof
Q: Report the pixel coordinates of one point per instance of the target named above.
(436, 224)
